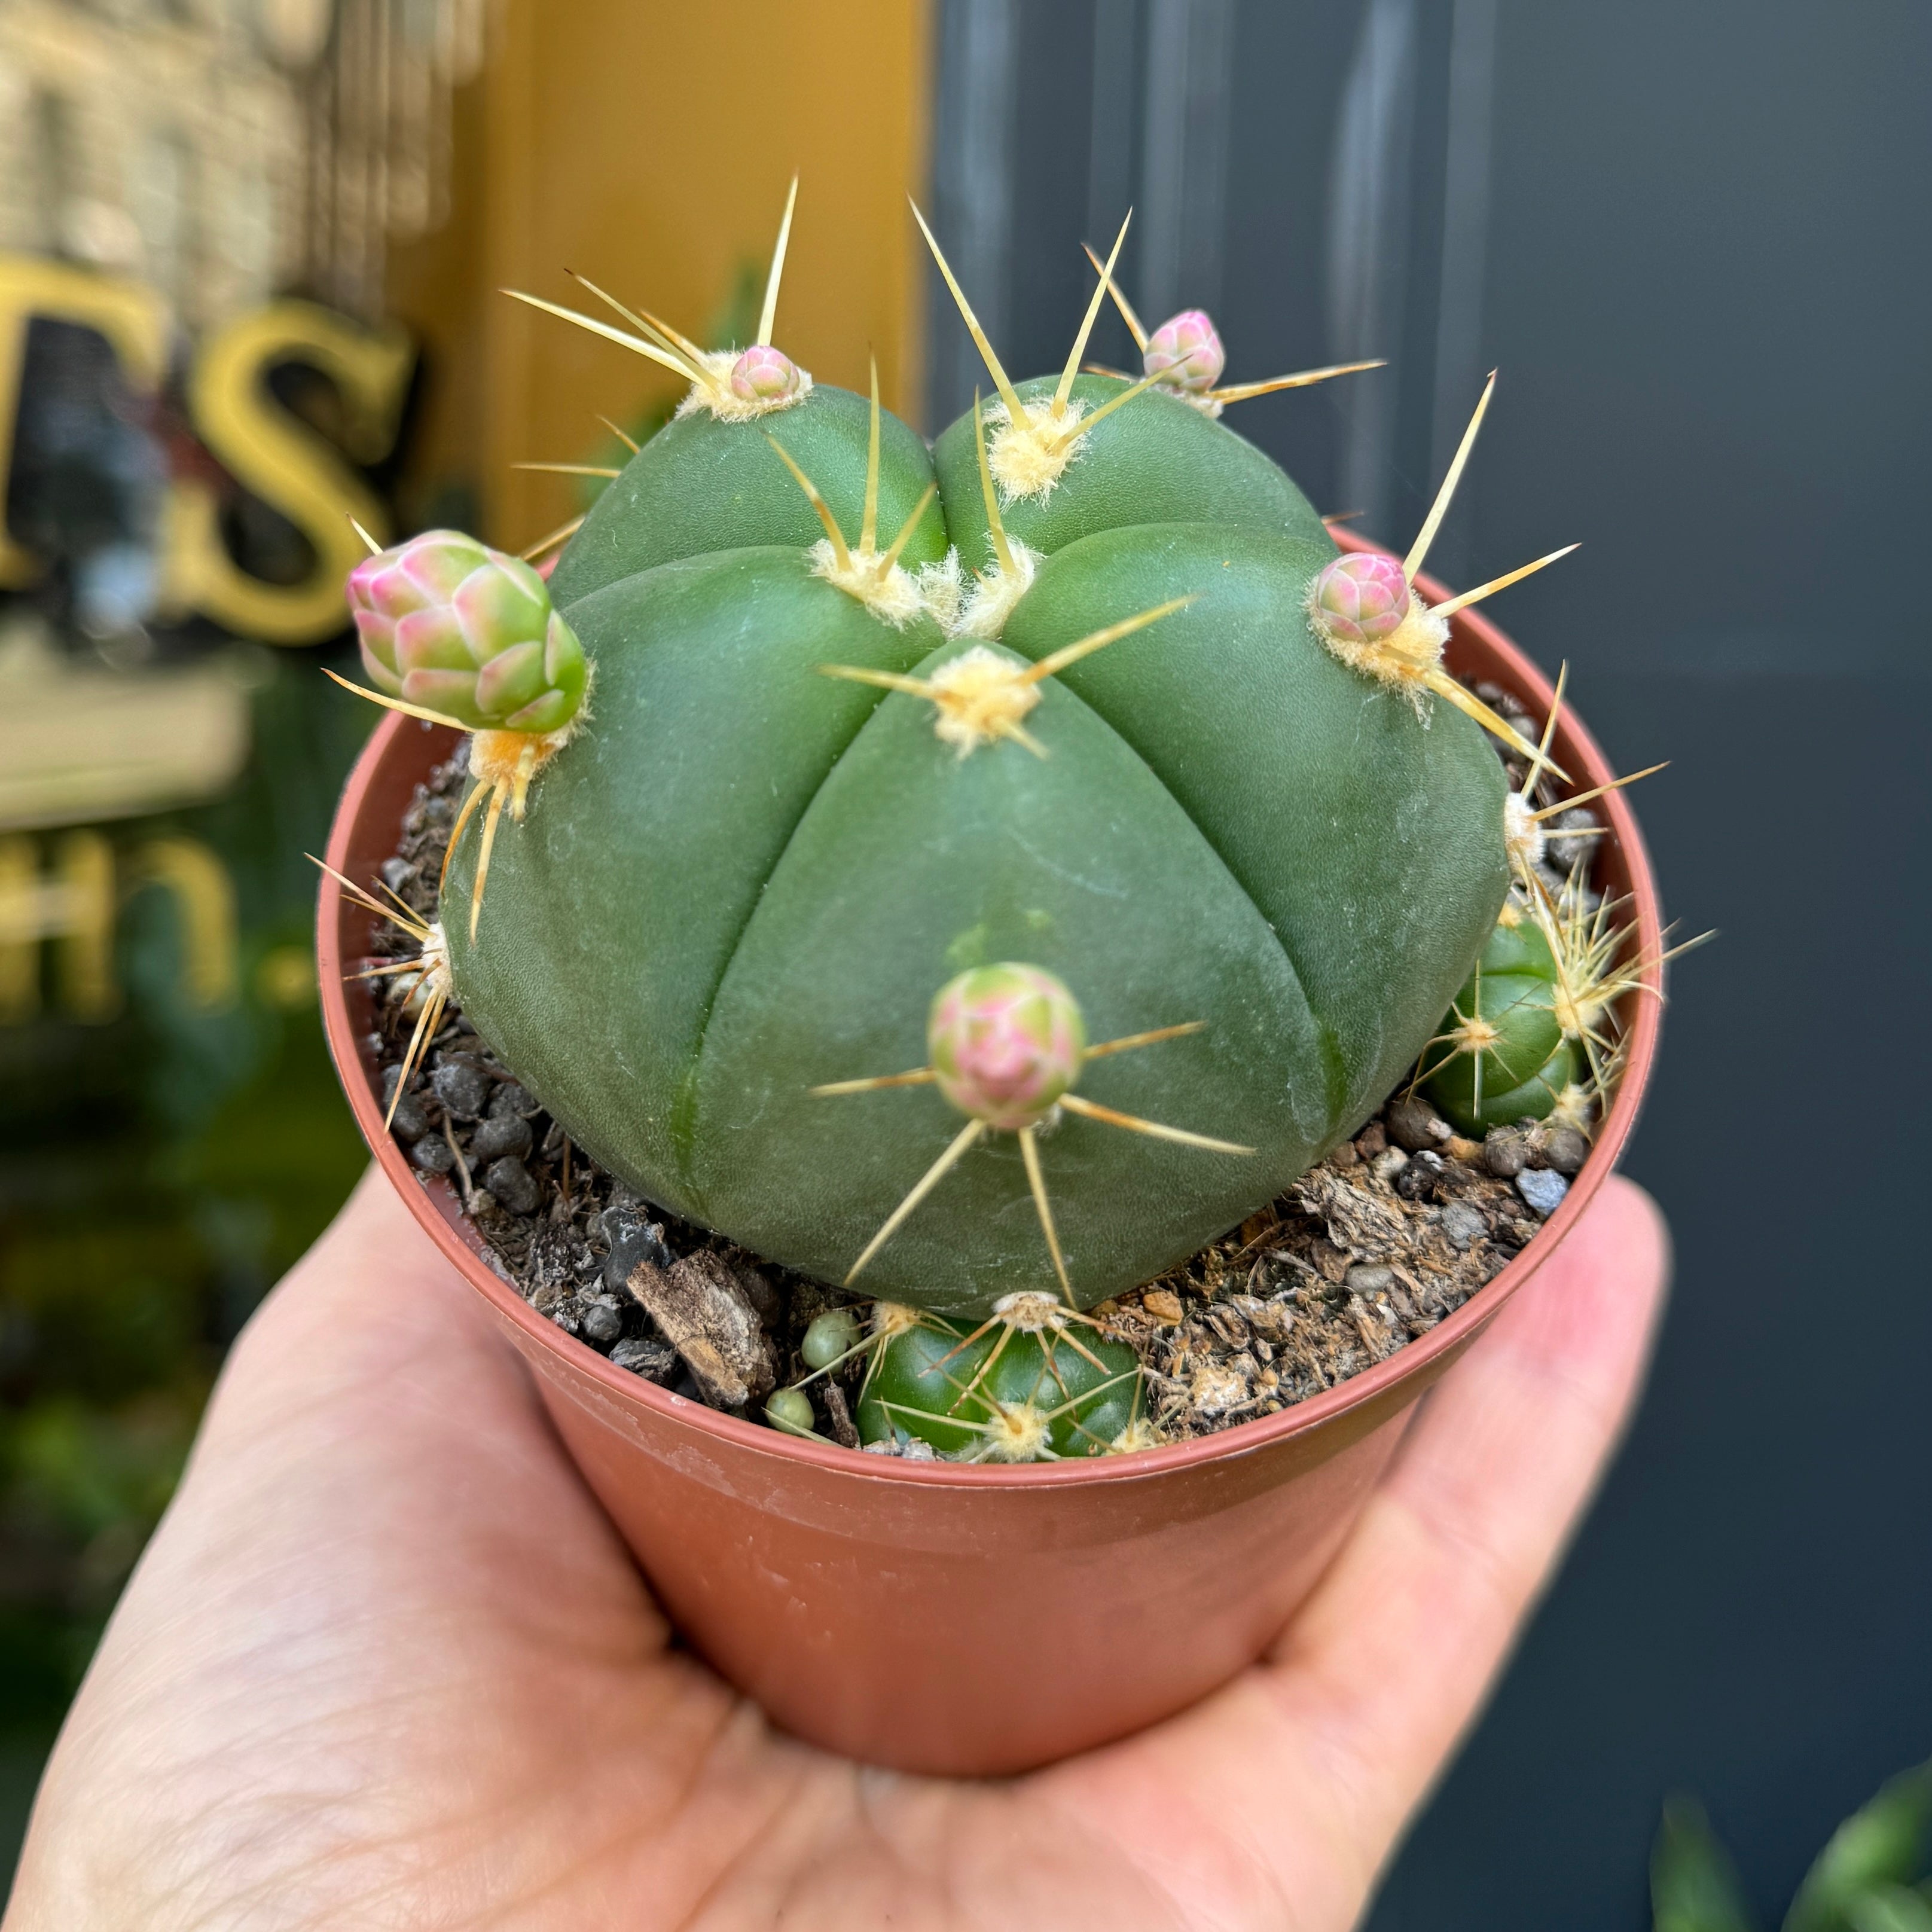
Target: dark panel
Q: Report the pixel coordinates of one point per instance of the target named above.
(1710, 326)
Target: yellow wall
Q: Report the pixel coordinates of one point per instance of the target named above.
(649, 146)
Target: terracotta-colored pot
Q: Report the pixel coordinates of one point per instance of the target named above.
(843, 1590)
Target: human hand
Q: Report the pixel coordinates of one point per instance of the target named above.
(386, 1664)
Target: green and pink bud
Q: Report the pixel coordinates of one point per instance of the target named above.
(448, 623)
(763, 374)
(1185, 352)
(1361, 598)
(1006, 1042)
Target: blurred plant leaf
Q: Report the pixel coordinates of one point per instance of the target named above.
(1892, 1908)
(1693, 1886)
(1882, 1845)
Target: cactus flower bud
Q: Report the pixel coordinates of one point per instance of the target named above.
(1186, 351)
(1361, 598)
(1006, 1041)
(449, 624)
(763, 374)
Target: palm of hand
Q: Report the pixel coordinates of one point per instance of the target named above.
(386, 1664)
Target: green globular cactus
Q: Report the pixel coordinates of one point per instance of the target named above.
(1025, 1387)
(855, 832)
(1501, 1054)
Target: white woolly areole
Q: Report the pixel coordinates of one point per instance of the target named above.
(1031, 1312)
(942, 590)
(1404, 660)
(1205, 400)
(1016, 1432)
(979, 695)
(1576, 1107)
(1028, 460)
(1522, 834)
(431, 979)
(716, 394)
(1140, 1433)
(996, 592)
(891, 595)
(893, 1317)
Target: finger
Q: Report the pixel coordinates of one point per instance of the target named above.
(1288, 1788)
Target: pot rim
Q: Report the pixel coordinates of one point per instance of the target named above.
(436, 1209)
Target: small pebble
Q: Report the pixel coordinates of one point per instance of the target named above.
(647, 1356)
(1418, 1180)
(432, 1154)
(1567, 852)
(1543, 1188)
(408, 1122)
(603, 1321)
(918, 1450)
(1506, 1152)
(1413, 1126)
(513, 1184)
(1460, 1147)
(498, 1135)
(397, 873)
(1369, 1280)
(1372, 1140)
(1347, 1154)
(1565, 1150)
(1389, 1163)
(1163, 1304)
(461, 1085)
(632, 1239)
(834, 1333)
(510, 1097)
(1462, 1225)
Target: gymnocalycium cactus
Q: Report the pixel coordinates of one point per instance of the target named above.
(993, 870)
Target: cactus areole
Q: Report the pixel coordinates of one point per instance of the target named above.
(1031, 975)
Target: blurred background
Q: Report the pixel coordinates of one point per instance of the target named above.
(248, 254)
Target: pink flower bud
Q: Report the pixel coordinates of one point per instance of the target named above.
(1006, 1042)
(763, 374)
(1361, 598)
(446, 622)
(1186, 351)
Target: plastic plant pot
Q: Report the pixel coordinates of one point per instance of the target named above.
(840, 1590)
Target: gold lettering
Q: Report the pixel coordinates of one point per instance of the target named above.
(20, 931)
(204, 902)
(81, 920)
(134, 320)
(283, 461)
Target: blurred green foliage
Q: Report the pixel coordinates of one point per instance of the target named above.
(1871, 1877)
(157, 1173)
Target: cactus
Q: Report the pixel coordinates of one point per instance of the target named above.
(994, 869)
(1503, 1055)
(1533, 1032)
(1023, 1387)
